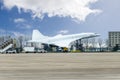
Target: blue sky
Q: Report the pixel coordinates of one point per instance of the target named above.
(21, 22)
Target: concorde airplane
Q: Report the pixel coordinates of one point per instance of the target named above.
(60, 40)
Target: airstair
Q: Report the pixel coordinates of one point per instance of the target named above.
(5, 45)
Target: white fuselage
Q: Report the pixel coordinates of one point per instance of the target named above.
(60, 40)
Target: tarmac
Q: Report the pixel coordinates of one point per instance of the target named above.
(60, 66)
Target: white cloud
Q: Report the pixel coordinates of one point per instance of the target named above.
(17, 34)
(11, 33)
(76, 9)
(19, 20)
(27, 26)
(22, 23)
(24, 26)
(63, 32)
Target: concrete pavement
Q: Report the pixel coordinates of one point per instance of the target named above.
(67, 66)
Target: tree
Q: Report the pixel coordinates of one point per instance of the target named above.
(93, 42)
(20, 38)
(107, 43)
(100, 42)
(86, 44)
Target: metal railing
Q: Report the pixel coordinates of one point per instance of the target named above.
(5, 43)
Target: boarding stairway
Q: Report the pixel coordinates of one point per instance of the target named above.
(5, 45)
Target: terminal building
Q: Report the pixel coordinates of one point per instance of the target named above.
(114, 39)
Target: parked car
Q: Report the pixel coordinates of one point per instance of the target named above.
(11, 51)
(41, 51)
(29, 49)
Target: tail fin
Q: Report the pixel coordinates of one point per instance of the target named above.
(36, 35)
